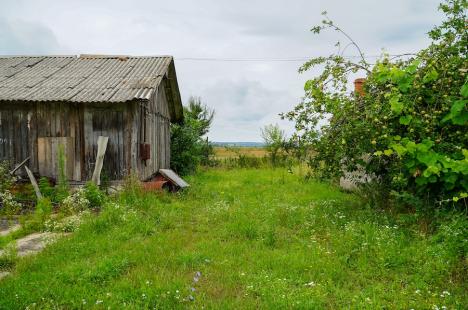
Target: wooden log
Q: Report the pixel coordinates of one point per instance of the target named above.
(33, 182)
(101, 151)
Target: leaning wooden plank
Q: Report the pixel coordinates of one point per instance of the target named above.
(33, 182)
(173, 177)
(102, 146)
(19, 166)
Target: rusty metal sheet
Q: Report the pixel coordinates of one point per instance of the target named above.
(173, 177)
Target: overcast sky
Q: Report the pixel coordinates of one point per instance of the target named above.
(245, 95)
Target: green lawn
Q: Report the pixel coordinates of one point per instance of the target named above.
(241, 239)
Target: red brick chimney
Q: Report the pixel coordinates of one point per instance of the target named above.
(359, 86)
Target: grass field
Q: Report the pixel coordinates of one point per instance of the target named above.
(229, 152)
(241, 239)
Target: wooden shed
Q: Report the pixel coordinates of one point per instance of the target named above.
(52, 104)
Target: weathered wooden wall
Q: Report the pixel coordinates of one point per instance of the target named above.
(54, 126)
(14, 134)
(39, 130)
(152, 125)
(108, 122)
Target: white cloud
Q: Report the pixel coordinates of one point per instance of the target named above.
(245, 95)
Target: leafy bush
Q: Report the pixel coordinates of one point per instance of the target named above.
(6, 179)
(47, 190)
(188, 148)
(408, 128)
(94, 195)
(8, 204)
(77, 201)
(35, 222)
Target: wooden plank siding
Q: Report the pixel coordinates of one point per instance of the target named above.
(152, 123)
(14, 135)
(38, 129)
(108, 122)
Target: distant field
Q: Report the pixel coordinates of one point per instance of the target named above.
(222, 152)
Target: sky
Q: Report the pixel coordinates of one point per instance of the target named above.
(205, 36)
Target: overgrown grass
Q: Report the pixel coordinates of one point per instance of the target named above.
(244, 239)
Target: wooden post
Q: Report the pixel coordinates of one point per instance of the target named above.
(102, 146)
(33, 182)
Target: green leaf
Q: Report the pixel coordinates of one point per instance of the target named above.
(405, 84)
(430, 76)
(413, 66)
(431, 170)
(378, 153)
(410, 163)
(458, 106)
(458, 113)
(405, 119)
(388, 152)
(451, 178)
(395, 104)
(400, 149)
(421, 181)
(427, 158)
(464, 90)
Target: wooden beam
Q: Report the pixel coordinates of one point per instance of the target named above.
(33, 182)
(20, 165)
(102, 146)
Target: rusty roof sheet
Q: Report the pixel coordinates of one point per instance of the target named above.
(84, 78)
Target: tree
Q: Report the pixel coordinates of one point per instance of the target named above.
(409, 126)
(274, 139)
(188, 146)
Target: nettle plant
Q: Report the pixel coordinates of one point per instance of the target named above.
(407, 128)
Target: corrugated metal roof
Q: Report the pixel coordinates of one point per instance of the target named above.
(85, 78)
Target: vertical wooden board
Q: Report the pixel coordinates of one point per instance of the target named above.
(10, 129)
(88, 143)
(52, 117)
(136, 139)
(70, 154)
(168, 144)
(25, 145)
(32, 129)
(168, 136)
(79, 143)
(3, 136)
(127, 137)
(120, 142)
(54, 150)
(40, 155)
(16, 139)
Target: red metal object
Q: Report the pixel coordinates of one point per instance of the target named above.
(155, 185)
(145, 151)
